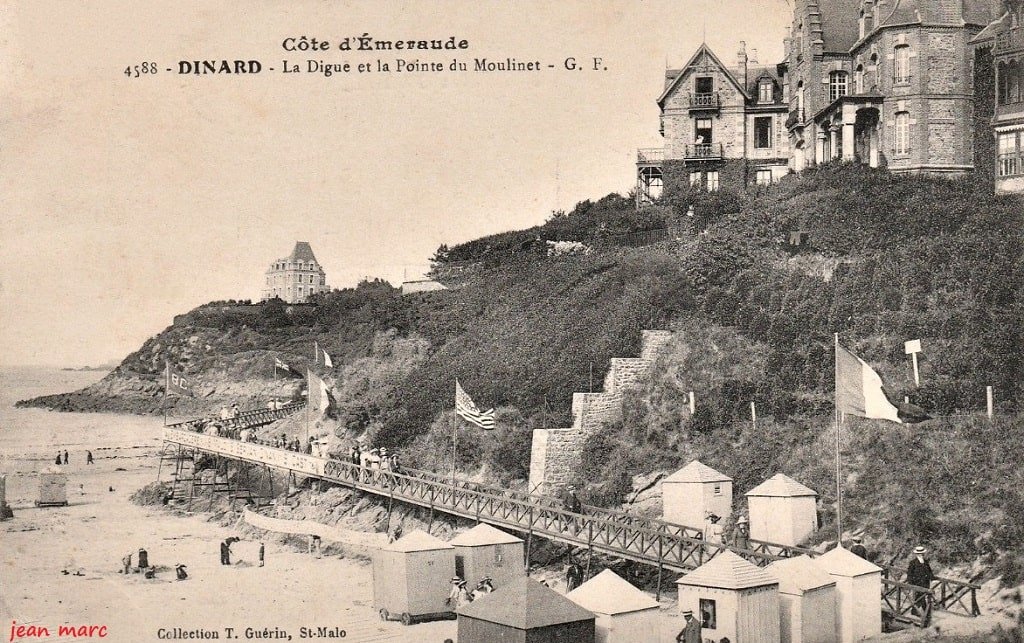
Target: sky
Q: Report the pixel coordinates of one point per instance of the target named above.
(126, 201)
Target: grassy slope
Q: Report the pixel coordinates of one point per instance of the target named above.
(914, 258)
(908, 258)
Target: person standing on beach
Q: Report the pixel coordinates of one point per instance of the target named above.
(262, 551)
(88, 457)
(57, 461)
(65, 457)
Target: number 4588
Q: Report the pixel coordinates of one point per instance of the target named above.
(134, 71)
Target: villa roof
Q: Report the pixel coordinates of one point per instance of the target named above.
(302, 252)
(839, 24)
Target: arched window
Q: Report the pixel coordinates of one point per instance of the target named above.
(837, 85)
(861, 23)
(858, 80)
(800, 95)
(901, 64)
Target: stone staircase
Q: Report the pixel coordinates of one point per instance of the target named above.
(555, 453)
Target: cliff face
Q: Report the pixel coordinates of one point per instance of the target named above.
(224, 364)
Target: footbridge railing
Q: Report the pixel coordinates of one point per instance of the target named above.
(653, 542)
(245, 419)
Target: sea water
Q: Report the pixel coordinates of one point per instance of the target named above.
(30, 438)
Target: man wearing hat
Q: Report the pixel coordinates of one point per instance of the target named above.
(741, 535)
(919, 573)
(572, 501)
(859, 548)
(691, 629)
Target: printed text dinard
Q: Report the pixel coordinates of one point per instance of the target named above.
(366, 42)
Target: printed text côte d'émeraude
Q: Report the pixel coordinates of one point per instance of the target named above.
(366, 42)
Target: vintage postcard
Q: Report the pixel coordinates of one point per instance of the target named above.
(616, 321)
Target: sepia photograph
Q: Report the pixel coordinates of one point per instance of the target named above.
(592, 321)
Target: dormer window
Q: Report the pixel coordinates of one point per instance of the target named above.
(764, 91)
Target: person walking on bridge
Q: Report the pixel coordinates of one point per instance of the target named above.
(741, 536)
(859, 548)
(572, 501)
(919, 572)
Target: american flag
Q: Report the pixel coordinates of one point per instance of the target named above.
(466, 409)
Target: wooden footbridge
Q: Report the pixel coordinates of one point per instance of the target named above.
(664, 545)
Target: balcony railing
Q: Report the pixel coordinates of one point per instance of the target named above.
(704, 151)
(705, 101)
(650, 155)
(796, 117)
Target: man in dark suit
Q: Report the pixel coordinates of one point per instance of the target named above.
(919, 573)
(691, 629)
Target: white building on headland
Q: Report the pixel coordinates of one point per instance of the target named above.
(296, 277)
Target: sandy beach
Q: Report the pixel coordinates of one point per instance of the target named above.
(92, 534)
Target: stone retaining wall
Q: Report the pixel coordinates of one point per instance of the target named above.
(555, 453)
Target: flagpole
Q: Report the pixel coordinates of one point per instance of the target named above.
(839, 464)
(455, 441)
(167, 384)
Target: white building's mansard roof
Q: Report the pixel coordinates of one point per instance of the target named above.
(302, 253)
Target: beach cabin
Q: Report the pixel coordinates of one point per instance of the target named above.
(807, 601)
(782, 511)
(412, 577)
(623, 613)
(732, 599)
(524, 611)
(858, 586)
(487, 551)
(53, 488)
(5, 510)
(688, 495)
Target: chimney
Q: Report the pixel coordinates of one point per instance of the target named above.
(753, 56)
(741, 60)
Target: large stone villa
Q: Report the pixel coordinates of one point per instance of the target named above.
(923, 86)
(297, 277)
